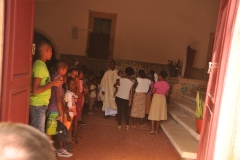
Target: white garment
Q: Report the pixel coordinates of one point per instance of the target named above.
(70, 99)
(107, 83)
(92, 93)
(124, 88)
(155, 77)
(143, 85)
(109, 111)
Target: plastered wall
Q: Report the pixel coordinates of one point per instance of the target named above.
(148, 31)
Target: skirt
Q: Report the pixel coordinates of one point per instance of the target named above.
(51, 128)
(148, 103)
(138, 107)
(158, 109)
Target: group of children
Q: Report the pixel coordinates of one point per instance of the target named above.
(59, 96)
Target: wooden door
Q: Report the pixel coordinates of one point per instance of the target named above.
(223, 37)
(17, 55)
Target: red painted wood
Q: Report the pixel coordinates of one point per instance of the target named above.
(17, 57)
(223, 38)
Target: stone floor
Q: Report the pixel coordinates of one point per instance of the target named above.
(102, 140)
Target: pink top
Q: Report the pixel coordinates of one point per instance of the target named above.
(162, 87)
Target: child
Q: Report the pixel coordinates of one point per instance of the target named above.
(82, 91)
(92, 95)
(99, 101)
(120, 75)
(55, 107)
(150, 76)
(41, 86)
(70, 97)
(73, 74)
(139, 100)
(122, 96)
(158, 109)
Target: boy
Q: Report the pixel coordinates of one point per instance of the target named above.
(55, 108)
(41, 86)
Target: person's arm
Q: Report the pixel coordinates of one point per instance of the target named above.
(59, 105)
(154, 90)
(36, 88)
(166, 94)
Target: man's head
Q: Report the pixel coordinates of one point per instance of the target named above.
(112, 65)
(44, 50)
(23, 142)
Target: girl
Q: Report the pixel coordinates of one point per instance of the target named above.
(139, 100)
(150, 76)
(158, 109)
(122, 96)
(120, 75)
(92, 95)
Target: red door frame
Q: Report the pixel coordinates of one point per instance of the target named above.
(219, 88)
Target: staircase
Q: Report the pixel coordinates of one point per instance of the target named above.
(180, 127)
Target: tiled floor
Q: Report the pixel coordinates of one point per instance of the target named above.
(102, 140)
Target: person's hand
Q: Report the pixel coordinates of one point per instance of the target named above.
(103, 93)
(57, 82)
(59, 118)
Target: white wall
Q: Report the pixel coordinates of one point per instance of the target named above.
(149, 31)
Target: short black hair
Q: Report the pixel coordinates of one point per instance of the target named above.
(142, 74)
(129, 71)
(69, 79)
(112, 61)
(163, 74)
(40, 44)
(60, 64)
(72, 69)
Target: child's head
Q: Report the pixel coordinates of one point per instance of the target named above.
(44, 50)
(71, 83)
(80, 74)
(142, 74)
(61, 67)
(120, 73)
(129, 71)
(162, 75)
(73, 72)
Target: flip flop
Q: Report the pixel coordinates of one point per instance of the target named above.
(149, 132)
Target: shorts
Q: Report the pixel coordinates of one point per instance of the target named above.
(51, 128)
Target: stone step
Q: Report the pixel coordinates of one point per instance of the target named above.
(183, 142)
(187, 107)
(191, 97)
(185, 120)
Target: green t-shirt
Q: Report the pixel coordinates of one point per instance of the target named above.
(40, 70)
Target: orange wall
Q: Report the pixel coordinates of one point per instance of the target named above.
(150, 31)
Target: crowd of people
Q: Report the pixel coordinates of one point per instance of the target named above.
(61, 94)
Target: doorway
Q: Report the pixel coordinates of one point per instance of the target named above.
(101, 35)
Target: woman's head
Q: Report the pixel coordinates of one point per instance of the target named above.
(163, 74)
(150, 76)
(129, 71)
(142, 74)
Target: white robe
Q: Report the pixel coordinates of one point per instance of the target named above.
(108, 80)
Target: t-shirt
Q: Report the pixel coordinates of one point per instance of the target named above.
(124, 88)
(143, 85)
(162, 87)
(53, 100)
(92, 93)
(39, 70)
(70, 99)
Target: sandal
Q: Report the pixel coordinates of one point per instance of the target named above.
(128, 126)
(150, 132)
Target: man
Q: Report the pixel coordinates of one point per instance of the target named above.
(108, 80)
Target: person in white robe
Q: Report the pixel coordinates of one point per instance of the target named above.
(107, 90)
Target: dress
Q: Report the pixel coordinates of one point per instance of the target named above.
(139, 99)
(158, 109)
(108, 80)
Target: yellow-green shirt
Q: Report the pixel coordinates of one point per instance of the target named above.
(39, 70)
